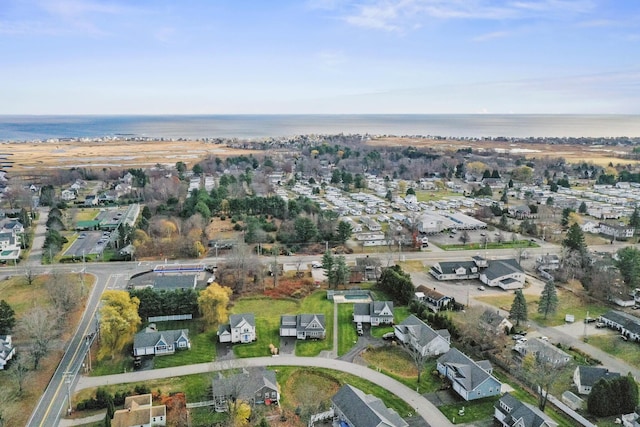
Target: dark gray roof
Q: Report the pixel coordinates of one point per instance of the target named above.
(288, 320)
(245, 384)
(361, 308)
(530, 415)
(502, 267)
(378, 306)
(589, 375)
(304, 321)
(148, 338)
(419, 329)
(492, 317)
(236, 319)
(174, 281)
(365, 410)
(629, 322)
(467, 372)
(449, 267)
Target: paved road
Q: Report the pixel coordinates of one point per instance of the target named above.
(421, 405)
(115, 276)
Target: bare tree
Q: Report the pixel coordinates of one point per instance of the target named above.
(464, 237)
(40, 328)
(18, 372)
(417, 357)
(541, 375)
(30, 276)
(64, 291)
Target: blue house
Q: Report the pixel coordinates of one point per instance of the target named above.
(471, 380)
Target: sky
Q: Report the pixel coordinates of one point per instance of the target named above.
(319, 57)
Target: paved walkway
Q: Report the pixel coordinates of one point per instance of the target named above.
(68, 422)
(421, 405)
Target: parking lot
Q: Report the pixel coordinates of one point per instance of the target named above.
(88, 243)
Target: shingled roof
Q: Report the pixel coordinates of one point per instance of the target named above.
(365, 410)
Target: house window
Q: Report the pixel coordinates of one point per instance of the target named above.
(273, 394)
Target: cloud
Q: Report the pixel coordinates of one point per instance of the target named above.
(491, 36)
(397, 15)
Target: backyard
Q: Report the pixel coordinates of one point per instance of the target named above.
(569, 302)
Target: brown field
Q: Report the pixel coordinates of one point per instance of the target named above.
(24, 158)
(573, 153)
(21, 158)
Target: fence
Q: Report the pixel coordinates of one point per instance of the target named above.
(171, 317)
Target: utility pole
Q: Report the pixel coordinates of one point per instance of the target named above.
(585, 326)
(68, 377)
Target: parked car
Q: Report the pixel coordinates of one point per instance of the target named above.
(359, 329)
(316, 264)
(589, 320)
(211, 279)
(517, 337)
(389, 336)
(600, 325)
(481, 288)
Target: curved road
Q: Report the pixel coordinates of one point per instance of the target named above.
(114, 275)
(421, 406)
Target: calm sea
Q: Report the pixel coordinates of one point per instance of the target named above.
(30, 128)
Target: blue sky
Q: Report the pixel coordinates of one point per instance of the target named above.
(319, 56)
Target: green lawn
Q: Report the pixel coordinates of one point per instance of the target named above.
(267, 312)
(389, 399)
(395, 363)
(568, 303)
(317, 303)
(347, 335)
(490, 245)
(431, 195)
(628, 351)
(475, 410)
(203, 345)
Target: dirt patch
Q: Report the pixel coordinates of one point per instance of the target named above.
(290, 287)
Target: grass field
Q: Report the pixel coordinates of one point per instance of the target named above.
(203, 348)
(475, 410)
(414, 266)
(626, 350)
(568, 303)
(394, 362)
(16, 409)
(347, 335)
(317, 303)
(267, 312)
(341, 378)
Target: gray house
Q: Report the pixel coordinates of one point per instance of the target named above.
(255, 386)
(584, 377)
(353, 408)
(375, 312)
(543, 351)
(240, 329)
(7, 350)
(510, 412)
(303, 326)
(154, 342)
(628, 325)
(416, 334)
(471, 380)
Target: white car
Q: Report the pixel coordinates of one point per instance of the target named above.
(211, 279)
(316, 264)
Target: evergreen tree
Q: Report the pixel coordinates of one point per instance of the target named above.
(574, 239)
(548, 300)
(582, 208)
(7, 318)
(344, 231)
(518, 310)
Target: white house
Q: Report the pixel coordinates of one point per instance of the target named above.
(240, 329)
(7, 350)
(585, 377)
(139, 411)
(415, 333)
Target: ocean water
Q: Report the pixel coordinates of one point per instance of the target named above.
(32, 128)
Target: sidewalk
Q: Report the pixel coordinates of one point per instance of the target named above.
(67, 422)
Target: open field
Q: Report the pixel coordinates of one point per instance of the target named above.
(31, 157)
(28, 158)
(572, 153)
